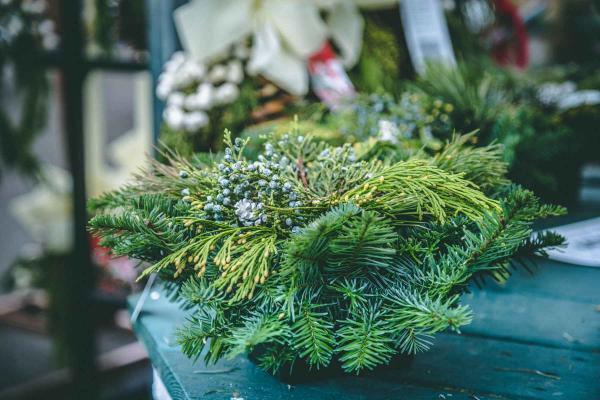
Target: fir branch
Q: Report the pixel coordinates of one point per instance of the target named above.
(111, 200)
(353, 291)
(145, 237)
(412, 341)
(275, 356)
(539, 243)
(196, 332)
(411, 310)
(364, 341)
(484, 166)
(306, 253)
(257, 329)
(362, 245)
(198, 292)
(489, 247)
(313, 336)
(477, 95)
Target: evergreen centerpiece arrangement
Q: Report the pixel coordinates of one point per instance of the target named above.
(318, 255)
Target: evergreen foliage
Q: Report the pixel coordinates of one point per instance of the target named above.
(543, 153)
(382, 58)
(313, 254)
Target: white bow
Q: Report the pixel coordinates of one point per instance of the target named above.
(285, 33)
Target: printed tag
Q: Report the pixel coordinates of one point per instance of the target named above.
(426, 33)
(329, 79)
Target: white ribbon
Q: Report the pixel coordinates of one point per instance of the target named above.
(285, 33)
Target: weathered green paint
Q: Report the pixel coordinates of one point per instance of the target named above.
(536, 338)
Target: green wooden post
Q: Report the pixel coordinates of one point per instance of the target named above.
(79, 281)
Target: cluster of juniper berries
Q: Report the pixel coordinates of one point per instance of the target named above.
(247, 190)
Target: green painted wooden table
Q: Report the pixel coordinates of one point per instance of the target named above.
(538, 337)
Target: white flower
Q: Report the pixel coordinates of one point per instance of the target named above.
(226, 93)
(195, 120)
(478, 15)
(201, 100)
(205, 95)
(284, 33)
(181, 72)
(183, 78)
(175, 99)
(388, 131)
(163, 88)
(173, 64)
(194, 70)
(191, 102)
(235, 72)
(217, 73)
(178, 56)
(174, 116)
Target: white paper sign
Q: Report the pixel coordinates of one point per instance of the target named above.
(426, 33)
(583, 239)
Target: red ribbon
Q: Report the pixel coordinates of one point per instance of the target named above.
(506, 50)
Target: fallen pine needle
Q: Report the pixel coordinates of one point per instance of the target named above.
(531, 371)
(216, 371)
